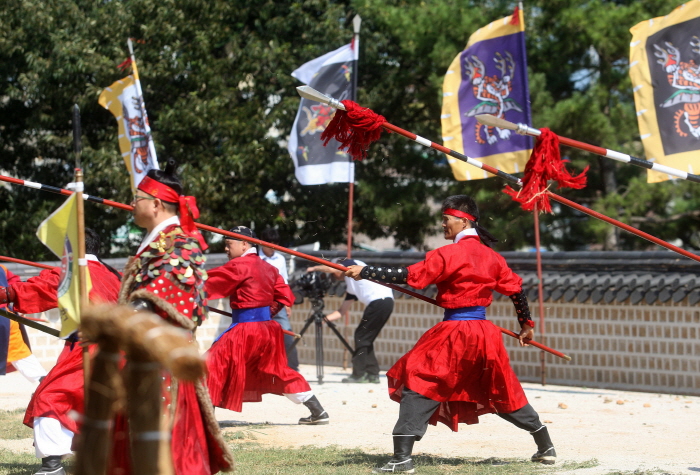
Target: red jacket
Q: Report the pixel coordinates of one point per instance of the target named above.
(39, 294)
(466, 273)
(250, 282)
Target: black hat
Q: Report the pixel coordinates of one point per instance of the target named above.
(243, 231)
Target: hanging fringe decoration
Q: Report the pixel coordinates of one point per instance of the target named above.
(545, 164)
(355, 128)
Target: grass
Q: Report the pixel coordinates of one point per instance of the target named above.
(11, 426)
(253, 459)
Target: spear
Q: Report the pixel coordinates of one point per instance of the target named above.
(312, 94)
(288, 251)
(28, 322)
(46, 266)
(524, 129)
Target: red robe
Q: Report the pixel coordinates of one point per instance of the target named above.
(170, 273)
(62, 390)
(15, 344)
(461, 364)
(250, 359)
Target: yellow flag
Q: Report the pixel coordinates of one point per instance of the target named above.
(664, 54)
(125, 101)
(59, 232)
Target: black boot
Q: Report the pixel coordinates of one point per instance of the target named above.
(545, 448)
(401, 462)
(51, 465)
(318, 415)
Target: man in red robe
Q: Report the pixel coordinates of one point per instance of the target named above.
(60, 395)
(167, 277)
(249, 358)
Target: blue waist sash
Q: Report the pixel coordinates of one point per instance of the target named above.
(246, 315)
(465, 313)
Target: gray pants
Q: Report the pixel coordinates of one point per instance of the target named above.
(415, 412)
(292, 357)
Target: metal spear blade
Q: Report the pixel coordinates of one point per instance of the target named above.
(308, 92)
(493, 121)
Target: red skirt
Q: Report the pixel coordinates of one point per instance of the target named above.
(464, 366)
(61, 391)
(193, 447)
(248, 361)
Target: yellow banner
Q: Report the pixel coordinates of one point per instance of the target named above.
(664, 54)
(125, 101)
(59, 232)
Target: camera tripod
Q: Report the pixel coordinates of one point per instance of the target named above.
(317, 317)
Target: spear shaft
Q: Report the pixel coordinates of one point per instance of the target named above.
(29, 323)
(524, 129)
(46, 266)
(281, 249)
(312, 94)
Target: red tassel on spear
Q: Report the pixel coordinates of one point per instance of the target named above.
(545, 164)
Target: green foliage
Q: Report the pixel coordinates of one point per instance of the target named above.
(216, 80)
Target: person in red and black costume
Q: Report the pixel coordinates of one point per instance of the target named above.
(459, 369)
(167, 277)
(249, 358)
(61, 393)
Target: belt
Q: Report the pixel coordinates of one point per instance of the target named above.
(465, 313)
(246, 315)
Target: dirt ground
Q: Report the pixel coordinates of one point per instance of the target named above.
(624, 431)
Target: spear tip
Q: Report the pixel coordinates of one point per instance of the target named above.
(493, 121)
(308, 92)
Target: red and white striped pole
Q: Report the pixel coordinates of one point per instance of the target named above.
(314, 95)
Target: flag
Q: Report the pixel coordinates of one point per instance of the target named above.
(330, 74)
(59, 232)
(125, 101)
(664, 58)
(488, 77)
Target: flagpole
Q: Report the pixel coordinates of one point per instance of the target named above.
(82, 262)
(540, 289)
(356, 22)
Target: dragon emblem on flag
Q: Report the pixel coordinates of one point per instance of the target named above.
(493, 93)
(684, 76)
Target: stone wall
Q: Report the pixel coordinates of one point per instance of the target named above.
(651, 348)
(630, 342)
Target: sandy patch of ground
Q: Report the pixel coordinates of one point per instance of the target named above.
(624, 431)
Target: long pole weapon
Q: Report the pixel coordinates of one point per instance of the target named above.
(524, 129)
(46, 266)
(285, 250)
(29, 323)
(312, 94)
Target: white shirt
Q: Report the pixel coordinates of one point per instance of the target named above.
(153, 234)
(365, 290)
(278, 261)
(466, 232)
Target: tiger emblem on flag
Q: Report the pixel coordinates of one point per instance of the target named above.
(493, 93)
(684, 76)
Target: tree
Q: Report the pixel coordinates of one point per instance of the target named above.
(217, 86)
